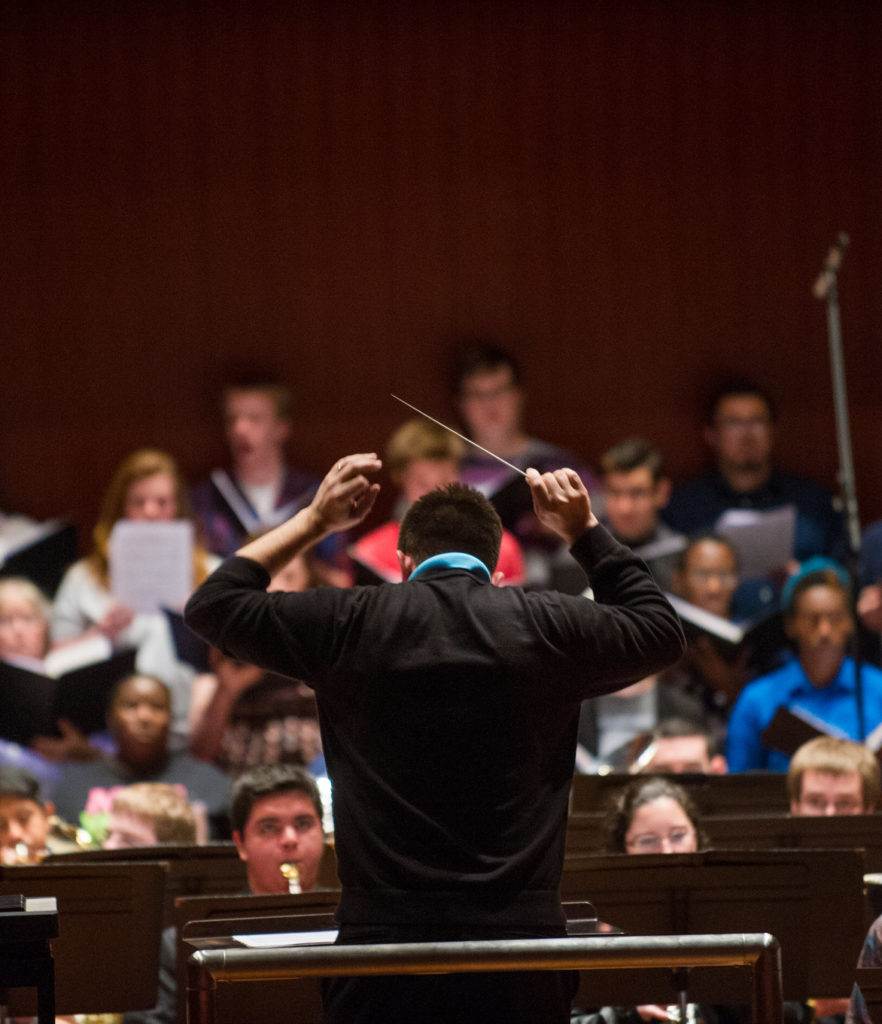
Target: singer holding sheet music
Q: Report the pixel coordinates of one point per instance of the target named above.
(449, 709)
(148, 488)
(740, 433)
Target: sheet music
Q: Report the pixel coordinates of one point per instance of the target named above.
(151, 564)
(272, 940)
(74, 655)
(18, 532)
(763, 539)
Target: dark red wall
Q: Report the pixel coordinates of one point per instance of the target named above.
(635, 197)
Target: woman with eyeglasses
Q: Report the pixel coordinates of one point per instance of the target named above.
(650, 815)
(654, 815)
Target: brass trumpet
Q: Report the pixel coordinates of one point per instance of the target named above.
(292, 873)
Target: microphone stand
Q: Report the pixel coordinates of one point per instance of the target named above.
(825, 287)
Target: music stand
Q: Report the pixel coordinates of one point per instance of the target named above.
(784, 892)
(108, 915)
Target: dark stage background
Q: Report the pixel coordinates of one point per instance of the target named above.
(635, 197)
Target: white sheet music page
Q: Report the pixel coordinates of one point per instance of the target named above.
(151, 564)
(763, 539)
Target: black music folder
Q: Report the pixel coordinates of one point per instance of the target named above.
(189, 647)
(43, 555)
(764, 633)
(33, 703)
(791, 727)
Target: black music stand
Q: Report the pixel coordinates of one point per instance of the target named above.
(189, 870)
(210, 922)
(739, 793)
(26, 926)
(784, 832)
(787, 893)
(109, 917)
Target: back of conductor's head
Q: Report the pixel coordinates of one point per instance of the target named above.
(451, 518)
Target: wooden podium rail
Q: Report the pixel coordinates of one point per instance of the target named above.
(759, 952)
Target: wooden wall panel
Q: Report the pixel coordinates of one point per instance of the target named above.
(635, 197)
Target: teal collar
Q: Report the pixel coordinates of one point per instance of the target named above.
(451, 560)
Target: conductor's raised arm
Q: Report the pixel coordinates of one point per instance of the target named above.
(561, 503)
(344, 498)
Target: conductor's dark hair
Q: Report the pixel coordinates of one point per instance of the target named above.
(264, 780)
(20, 784)
(738, 387)
(451, 518)
(635, 795)
(483, 357)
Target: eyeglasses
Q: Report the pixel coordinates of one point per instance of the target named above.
(706, 575)
(487, 394)
(11, 620)
(632, 493)
(733, 424)
(650, 842)
(821, 805)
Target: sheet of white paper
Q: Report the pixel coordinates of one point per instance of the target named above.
(76, 654)
(151, 564)
(763, 539)
(272, 940)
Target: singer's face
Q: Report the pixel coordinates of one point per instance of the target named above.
(709, 577)
(633, 501)
(253, 427)
(152, 499)
(825, 794)
(821, 626)
(282, 828)
(23, 629)
(678, 754)
(741, 434)
(140, 718)
(490, 405)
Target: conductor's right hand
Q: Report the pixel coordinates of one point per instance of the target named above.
(346, 495)
(561, 503)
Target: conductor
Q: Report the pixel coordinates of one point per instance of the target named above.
(448, 709)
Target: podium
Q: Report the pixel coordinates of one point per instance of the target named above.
(213, 974)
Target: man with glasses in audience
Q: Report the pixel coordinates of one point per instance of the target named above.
(829, 776)
(740, 432)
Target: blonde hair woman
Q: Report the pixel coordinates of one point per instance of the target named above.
(147, 486)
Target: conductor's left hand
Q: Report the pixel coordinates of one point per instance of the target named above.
(346, 495)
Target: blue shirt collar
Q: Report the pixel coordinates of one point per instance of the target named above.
(451, 560)
(843, 681)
